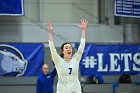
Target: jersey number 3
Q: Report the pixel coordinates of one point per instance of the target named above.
(70, 71)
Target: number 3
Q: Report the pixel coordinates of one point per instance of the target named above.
(70, 71)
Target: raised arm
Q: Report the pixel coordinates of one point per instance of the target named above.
(83, 27)
(53, 73)
(54, 54)
(50, 31)
(81, 47)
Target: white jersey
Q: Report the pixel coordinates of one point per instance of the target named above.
(68, 81)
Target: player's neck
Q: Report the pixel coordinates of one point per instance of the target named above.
(67, 59)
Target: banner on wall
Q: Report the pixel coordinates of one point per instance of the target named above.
(11, 7)
(113, 59)
(21, 59)
(127, 8)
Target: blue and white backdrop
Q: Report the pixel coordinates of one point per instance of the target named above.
(12, 7)
(21, 59)
(111, 59)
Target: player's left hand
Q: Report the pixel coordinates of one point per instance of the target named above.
(83, 24)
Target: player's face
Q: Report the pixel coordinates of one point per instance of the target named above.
(67, 51)
(45, 69)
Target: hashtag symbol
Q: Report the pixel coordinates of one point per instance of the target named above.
(89, 62)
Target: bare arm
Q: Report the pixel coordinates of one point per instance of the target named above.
(54, 54)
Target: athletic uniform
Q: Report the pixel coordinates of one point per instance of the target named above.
(68, 81)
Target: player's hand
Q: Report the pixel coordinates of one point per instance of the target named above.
(50, 29)
(83, 24)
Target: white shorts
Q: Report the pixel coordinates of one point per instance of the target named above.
(68, 88)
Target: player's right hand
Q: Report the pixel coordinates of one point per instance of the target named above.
(50, 29)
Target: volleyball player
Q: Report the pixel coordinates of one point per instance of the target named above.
(66, 64)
